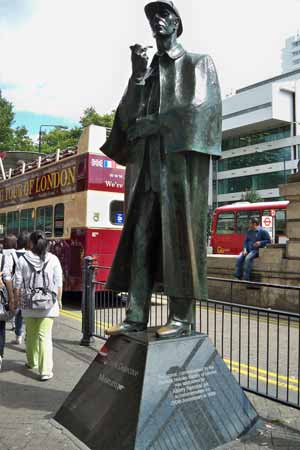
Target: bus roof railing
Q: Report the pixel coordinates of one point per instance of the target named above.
(39, 162)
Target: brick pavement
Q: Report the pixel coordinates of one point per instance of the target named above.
(27, 405)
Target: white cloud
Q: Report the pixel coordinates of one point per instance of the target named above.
(70, 54)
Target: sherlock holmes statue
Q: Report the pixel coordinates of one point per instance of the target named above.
(166, 127)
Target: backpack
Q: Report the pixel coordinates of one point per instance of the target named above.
(37, 294)
(5, 314)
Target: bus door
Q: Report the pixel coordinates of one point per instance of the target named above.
(224, 234)
(279, 217)
(242, 224)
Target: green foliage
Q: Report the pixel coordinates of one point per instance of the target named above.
(18, 139)
(21, 141)
(91, 117)
(59, 138)
(251, 196)
(6, 120)
(10, 138)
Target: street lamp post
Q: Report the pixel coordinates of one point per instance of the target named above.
(60, 127)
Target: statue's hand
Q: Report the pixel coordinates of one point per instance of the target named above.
(144, 127)
(139, 60)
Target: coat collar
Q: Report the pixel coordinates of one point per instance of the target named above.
(174, 53)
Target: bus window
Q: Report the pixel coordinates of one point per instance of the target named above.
(117, 212)
(243, 218)
(280, 222)
(2, 225)
(44, 219)
(13, 222)
(225, 223)
(27, 220)
(59, 214)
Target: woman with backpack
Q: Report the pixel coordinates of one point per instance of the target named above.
(38, 289)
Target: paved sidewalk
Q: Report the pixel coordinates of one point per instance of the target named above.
(28, 405)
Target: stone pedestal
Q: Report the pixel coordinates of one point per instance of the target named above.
(291, 192)
(141, 393)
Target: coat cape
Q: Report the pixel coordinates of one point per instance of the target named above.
(190, 129)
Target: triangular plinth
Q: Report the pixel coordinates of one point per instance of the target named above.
(142, 393)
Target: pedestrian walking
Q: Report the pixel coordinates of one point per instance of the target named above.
(9, 271)
(9, 248)
(38, 289)
(7, 302)
(256, 238)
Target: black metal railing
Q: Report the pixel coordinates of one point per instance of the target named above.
(261, 346)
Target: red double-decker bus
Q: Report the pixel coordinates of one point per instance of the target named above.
(76, 197)
(230, 224)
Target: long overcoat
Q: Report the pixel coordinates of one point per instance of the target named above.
(189, 122)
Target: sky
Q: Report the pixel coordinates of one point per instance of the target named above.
(58, 57)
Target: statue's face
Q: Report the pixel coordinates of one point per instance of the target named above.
(164, 21)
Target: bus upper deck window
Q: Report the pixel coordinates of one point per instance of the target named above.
(243, 218)
(225, 223)
(2, 225)
(27, 220)
(116, 215)
(59, 218)
(13, 219)
(280, 222)
(44, 219)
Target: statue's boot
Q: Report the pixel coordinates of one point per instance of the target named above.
(179, 321)
(125, 327)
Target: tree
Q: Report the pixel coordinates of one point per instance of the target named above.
(251, 196)
(6, 120)
(91, 117)
(59, 138)
(21, 141)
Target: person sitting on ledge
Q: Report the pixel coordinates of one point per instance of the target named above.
(256, 238)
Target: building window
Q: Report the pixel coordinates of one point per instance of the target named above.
(27, 220)
(225, 224)
(59, 218)
(44, 219)
(252, 182)
(117, 212)
(296, 61)
(13, 221)
(2, 225)
(256, 138)
(255, 159)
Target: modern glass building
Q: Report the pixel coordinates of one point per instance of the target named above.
(290, 54)
(261, 139)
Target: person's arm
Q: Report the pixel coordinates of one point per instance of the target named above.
(58, 281)
(18, 280)
(11, 298)
(245, 245)
(265, 239)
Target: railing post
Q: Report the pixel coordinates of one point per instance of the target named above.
(88, 303)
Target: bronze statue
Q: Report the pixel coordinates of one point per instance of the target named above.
(167, 125)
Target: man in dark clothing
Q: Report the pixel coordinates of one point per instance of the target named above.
(167, 126)
(256, 238)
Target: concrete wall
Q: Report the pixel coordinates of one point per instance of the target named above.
(271, 267)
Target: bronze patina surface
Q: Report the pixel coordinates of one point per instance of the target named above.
(167, 126)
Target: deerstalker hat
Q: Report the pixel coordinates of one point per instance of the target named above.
(151, 8)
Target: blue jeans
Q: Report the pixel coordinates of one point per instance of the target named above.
(19, 323)
(244, 265)
(2, 338)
